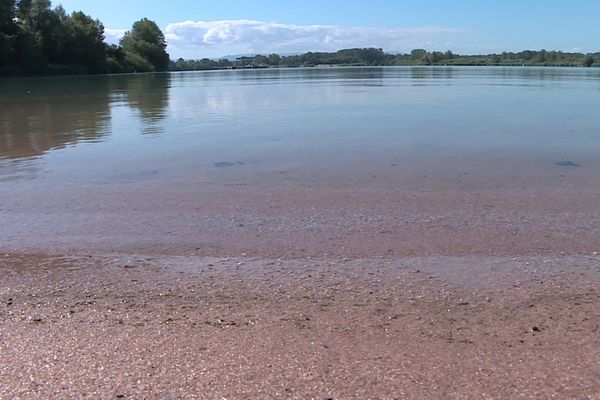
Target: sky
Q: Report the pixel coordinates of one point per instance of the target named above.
(198, 28)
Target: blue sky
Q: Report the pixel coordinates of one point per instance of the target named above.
(197, 29)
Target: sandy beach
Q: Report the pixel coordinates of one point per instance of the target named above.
(333, 290)
(167, 327)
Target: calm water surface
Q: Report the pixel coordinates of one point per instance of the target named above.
(321, 161)
(110, 128)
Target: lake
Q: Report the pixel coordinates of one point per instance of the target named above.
(364, 161)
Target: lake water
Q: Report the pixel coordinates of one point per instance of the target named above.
(149, 159)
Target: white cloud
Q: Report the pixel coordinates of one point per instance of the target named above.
(197, 39)
(112, 36)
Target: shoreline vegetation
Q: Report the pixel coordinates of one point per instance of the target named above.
(37, 39)
(372, 57)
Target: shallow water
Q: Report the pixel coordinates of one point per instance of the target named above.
(120, 143)
(137, 127)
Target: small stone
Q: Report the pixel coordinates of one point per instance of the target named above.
(225, 164)
(567, 163)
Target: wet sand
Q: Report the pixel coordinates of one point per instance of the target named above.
(386, 285)
(452, 208)
(123, 326)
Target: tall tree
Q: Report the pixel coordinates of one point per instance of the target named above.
(145, 46)
(86, 42)
(7, 16)
(39, 36)
(7, 30)
(23, 12)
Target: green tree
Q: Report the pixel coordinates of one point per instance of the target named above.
(274, 59)
(420, 56)
(41, 36)
(145, 46)
(55, 41)
(7, 15)
(541, 57)
(86, 42)
(116, 60)
(436, 57)
(224, 63)
(372, 56)
(7, 30)
(260, 60)
(23, 13)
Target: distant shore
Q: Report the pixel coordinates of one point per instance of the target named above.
(356, 58)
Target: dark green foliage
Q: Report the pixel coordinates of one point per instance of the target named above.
(145, 47)
(7, 30)
(367, 57)
(7, 15)
(116, 60)
(527, 58)
(86, 38)
(198, 65)
(38, 39)
(356, 57)
(376, 57)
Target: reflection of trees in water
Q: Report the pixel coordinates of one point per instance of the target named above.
(419, 75)
(44, 114)
(40, 115)
(534, 76)
(148, 94)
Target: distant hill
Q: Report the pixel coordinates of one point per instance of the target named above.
(234, 57)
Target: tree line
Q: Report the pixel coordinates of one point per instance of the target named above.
(377, 57)
(36, 38)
